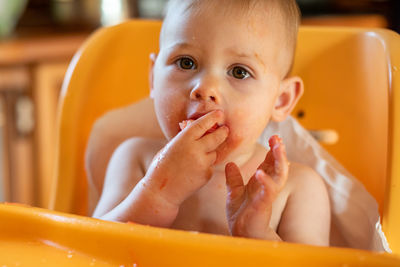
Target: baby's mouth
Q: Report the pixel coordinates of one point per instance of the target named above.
(213, 128)
(195, 116)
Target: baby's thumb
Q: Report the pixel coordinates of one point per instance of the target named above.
(234, 181)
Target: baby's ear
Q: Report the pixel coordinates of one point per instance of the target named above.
(153, 57)
(290, 92)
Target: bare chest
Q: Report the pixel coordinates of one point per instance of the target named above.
(204, 211)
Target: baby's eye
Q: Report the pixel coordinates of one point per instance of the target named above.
(186, 63)
(239, 73)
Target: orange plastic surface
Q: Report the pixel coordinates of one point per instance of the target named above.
(352, 86)
(391, 215)
(38, 237)
(109, 71)
(351, 80)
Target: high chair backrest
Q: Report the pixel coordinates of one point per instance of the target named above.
(351, 81)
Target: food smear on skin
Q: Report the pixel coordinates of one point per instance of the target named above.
(185, 123)
(164, 183)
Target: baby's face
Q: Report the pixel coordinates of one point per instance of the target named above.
(212, 61)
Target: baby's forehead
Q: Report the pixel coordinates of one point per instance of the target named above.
(266, 12)
(256, 18)
(228, 8)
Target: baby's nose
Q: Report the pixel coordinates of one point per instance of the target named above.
(200, 96)
(206, 90)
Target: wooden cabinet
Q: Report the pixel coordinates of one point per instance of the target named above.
(31, 74)
(47, 84)
(16, 148)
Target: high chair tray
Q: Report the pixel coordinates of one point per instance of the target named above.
(38, 237)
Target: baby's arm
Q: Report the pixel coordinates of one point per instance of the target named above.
(181, 168)
(124, 171)
(108, 133)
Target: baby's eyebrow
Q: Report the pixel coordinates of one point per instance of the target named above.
(252, 56)
(180, 45)
(238, 54)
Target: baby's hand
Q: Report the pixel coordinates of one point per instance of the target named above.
(249, 207)
(184, 165)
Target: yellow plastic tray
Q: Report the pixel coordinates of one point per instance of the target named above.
(39, 237)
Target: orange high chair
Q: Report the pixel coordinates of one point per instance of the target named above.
(352, 85)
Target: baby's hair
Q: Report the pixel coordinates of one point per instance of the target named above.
(287, 10)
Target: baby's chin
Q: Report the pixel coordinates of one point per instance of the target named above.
(226, 151)
(235, 149)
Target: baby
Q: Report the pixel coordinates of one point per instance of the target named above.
(220, 76)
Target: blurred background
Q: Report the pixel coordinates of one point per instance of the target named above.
(37, 41)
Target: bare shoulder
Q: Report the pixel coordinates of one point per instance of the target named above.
(122, 121)
(110, 130)
(135, 154)
(305, 184)
(108, 133)
(301, 176)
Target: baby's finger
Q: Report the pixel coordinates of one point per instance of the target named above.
(234, 183)
(281, 164)
(268, 165)
(266, 192)
(185, 123)
(200, 126)
(213, 140)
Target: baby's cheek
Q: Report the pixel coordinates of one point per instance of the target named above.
(237, 135)
(242, 132)
(250, 122)
(169, 117)
(238, 126)
(238, 116)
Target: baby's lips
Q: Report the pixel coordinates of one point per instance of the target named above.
(213, 128)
